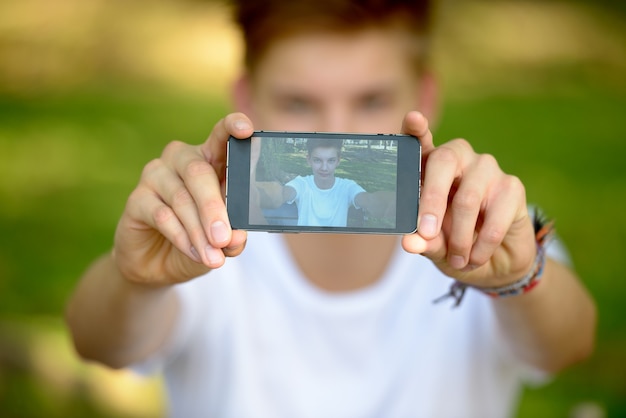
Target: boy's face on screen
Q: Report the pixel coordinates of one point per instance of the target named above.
(323, 162)
(359, 82)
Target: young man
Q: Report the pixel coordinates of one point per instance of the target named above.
(332, 325)
(321, 198)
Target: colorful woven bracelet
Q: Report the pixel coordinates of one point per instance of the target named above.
(544, 230)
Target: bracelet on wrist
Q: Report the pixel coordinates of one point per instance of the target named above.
(544, 231)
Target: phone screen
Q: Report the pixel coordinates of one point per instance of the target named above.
(327, 182)
(324, 182)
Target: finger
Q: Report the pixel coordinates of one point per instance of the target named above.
(505, 210)
(416, 124)
(465, 207)
(147, 208)
(171, 189)
(434, 249)
(237, 244)
(161, 234)
(203, 185)
(444, 165)
(214, 148)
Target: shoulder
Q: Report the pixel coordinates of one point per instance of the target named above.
(299, 180)
(345, 182)
(348, 184)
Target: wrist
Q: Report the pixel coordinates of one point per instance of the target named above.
(544, 230)
(130, 279)
(522, 285)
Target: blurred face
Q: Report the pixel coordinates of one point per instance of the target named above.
(360, 82)
(323, 162)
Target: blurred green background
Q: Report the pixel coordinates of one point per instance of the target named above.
(92, 90)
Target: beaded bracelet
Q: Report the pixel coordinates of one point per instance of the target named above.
(544, 231)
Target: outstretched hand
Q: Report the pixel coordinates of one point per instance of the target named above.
(175, 226)
(473, 221)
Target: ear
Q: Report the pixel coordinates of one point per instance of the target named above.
(242, 95)
(428, 97)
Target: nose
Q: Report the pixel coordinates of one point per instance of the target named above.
(337, 119)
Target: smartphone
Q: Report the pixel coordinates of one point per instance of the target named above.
(324, 182)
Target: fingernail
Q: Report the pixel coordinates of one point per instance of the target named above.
(457, 262)
(219, 232)
(195, 256)
(241, 125)
(469, 268)
(427, 226)
(214, 255)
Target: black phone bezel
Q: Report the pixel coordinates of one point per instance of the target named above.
(407, 187)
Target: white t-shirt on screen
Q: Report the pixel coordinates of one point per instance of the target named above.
(324, 207)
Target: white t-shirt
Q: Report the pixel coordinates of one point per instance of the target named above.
(324, 207)
(256, 339)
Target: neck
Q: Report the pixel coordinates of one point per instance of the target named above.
(324, 184)
(341, 263)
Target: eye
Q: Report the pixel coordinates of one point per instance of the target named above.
(295, 105)
(375, 101)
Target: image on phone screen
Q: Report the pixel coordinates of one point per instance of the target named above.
(326, 182)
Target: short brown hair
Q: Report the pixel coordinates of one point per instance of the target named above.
(264, 21)
(313, 143)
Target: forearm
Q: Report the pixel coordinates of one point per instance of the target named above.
(553, 325)
(117, 322)
(379, 204)
(272, 194)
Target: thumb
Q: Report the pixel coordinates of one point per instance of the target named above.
(416, 124)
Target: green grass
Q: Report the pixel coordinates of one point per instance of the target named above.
(66, 166)
(68, 161)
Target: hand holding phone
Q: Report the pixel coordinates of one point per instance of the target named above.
(324, 182)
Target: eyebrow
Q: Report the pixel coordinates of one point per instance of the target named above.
(384, 90)
(287, 93)
(282, 93)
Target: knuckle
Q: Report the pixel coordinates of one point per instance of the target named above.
(212, 205)
(463, 143)
(467, 200)
(135, 195)
(136, 202)
(181, 197)
(172, 148)
(487, 160)
(161, 215)
(492, 235)
(152, 167)
(178, 237)
(514, 183)
(459, 245)
(478, 259)
(196, 168)
(444, 154)
(430, 198)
